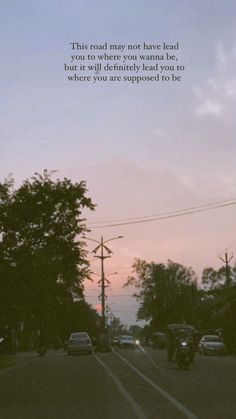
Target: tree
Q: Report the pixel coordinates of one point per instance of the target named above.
(213, 280)
(43, 260)
(116, 327)
(79, 316)
(135, 330)
(167, 293)
(218, 305)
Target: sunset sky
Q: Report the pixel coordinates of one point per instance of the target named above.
(142, 149)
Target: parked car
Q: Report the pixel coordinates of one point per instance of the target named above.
(211, 344)
(127, 341)
(79, 342)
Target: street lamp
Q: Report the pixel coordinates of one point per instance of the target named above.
(102, 246)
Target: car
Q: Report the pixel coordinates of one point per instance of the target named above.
(127, 341)
(79, 342)
(211, 344)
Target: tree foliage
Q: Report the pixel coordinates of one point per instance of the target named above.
(216, 279)
(218, 305)
(166, 292)
(116, 328)
(42, 257)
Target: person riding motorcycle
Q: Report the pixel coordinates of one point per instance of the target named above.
(185, 340)
(182, 350)
(180, 340)
(177, 333)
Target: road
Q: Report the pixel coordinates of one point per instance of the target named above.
(121, 384)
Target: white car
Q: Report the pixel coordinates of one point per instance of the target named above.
(79, 342)
(127, 341)
(211, 344)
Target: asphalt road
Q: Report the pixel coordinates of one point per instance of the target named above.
(123, 384)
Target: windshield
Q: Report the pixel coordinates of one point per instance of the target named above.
(212, 339)
(127, 338)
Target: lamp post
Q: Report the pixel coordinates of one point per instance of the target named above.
(102, 256)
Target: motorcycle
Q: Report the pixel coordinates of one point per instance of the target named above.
(180, 344)
(182, 356)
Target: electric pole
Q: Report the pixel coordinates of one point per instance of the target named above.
(103, 280)
(227, 267)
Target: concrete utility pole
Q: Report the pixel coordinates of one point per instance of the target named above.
(103, 280)
(227, 267)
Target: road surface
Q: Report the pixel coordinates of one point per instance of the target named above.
(122, 384)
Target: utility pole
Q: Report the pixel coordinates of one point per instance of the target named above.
(227, 267)
(103, 280)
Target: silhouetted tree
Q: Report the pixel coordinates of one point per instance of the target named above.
(218, 305)
(116, 327)
(166, 293)
(43, 261)
(216, 279)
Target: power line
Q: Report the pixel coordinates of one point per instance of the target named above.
(163, 213)
(175, 214)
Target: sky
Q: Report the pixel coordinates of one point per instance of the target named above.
(142, 149)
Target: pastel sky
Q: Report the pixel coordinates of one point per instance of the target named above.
(142, 149)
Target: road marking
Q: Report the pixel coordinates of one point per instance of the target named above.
(134, 406)
(160, 390)
(153, 363)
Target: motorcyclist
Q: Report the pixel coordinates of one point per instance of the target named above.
(183, 338)
(180, 340)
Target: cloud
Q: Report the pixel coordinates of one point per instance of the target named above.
(217, 96)
(209, 107)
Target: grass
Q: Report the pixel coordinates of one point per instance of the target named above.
(7, 361)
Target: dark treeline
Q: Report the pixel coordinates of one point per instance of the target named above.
(171, 293)
(43, 261)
